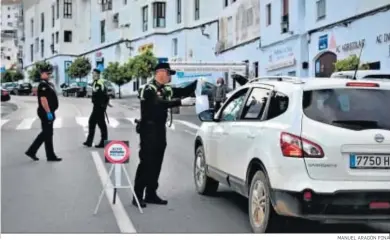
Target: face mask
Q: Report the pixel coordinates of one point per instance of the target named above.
(218, 84)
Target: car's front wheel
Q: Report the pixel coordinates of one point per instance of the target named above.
(203, 183)
(262, 216)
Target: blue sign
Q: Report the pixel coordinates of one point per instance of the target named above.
(2, 69)
(162, 60)
(323, 42)
(100, 66)
(66, 67)
(192, 75)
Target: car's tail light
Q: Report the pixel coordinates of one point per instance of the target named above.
(362, 84)
(294, 146)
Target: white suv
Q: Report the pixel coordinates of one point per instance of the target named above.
(317, 149)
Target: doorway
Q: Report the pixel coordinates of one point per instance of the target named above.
(324, 66)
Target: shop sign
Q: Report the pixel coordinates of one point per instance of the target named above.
(351, 46)
(323, 42)
(383, 38)
(282, 64)
(145, 47)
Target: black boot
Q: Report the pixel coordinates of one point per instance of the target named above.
(154, 199)
(100, 145)
(32, 156)
(142, 203)
(87, 144)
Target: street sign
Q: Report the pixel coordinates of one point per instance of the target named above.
(116, 152)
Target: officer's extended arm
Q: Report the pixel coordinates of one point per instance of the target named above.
(149, 95)
(187, 91)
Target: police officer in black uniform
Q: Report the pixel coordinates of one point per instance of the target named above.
(100, 100)
(156, 97)
(47, 105)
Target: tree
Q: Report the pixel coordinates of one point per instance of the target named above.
(143, 65)
(34, 74)
(80, 68)
(349, 64)
(11, 75)
(118, 74)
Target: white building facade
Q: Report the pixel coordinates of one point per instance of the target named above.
(306, 38)
(115, 30)
(10, 16)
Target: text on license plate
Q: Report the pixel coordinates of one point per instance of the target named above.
(369, 161)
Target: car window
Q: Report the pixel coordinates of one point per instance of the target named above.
(378, 76)
(343, 76)
(256, 103)
(278, 105)
(355, 109)
(231, 111)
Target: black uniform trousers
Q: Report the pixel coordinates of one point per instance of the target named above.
(97, 117)
(45, 136)
(151, 154)
(217, 106)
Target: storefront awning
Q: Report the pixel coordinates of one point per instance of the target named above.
(209, 67)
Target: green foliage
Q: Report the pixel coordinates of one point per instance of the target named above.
(143, 65)
(349, 64)
(79, 68)
(11, 76)
(34, 74)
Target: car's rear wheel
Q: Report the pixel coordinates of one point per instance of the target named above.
(262, 216)
(203, 183)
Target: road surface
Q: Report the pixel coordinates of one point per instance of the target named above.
(60, 197)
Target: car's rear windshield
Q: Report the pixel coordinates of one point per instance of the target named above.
(355, 109)
(378, 76)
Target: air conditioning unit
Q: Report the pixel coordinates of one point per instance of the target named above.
(115, 18)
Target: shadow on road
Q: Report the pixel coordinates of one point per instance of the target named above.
(298, 225)
(7, 108)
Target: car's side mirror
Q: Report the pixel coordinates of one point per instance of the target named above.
(206, 116)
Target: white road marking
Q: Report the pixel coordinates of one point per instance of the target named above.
(113, 122)
(82, 121)
(132, 120)
(57, 123)
(124, 223)
(188, 124)
(4, 121)
(26, 124)
(86, 130)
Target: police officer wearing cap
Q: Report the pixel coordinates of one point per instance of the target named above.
(100, 100)
(47, 105)
(156, 97)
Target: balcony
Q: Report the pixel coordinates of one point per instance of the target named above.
(285, 24)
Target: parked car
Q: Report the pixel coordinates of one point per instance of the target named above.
(108, 84)
(315, 149)
(24, 89)
(11, 87)
(77, 89)
(363, 74)
(4, 95)
(34, 88)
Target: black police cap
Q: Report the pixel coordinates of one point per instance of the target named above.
(165, 66)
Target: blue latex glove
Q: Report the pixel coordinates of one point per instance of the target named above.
(50, 116)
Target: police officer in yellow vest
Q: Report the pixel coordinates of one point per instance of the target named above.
(100, 100)
(156, 97)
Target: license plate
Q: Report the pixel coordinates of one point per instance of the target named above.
(369, 161)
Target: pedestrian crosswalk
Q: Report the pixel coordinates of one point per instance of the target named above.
(66, 122)
(73, 122)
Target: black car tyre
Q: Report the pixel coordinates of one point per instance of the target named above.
(262, 215)
(203, 183)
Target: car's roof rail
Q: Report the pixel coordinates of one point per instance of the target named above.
(278, 78)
